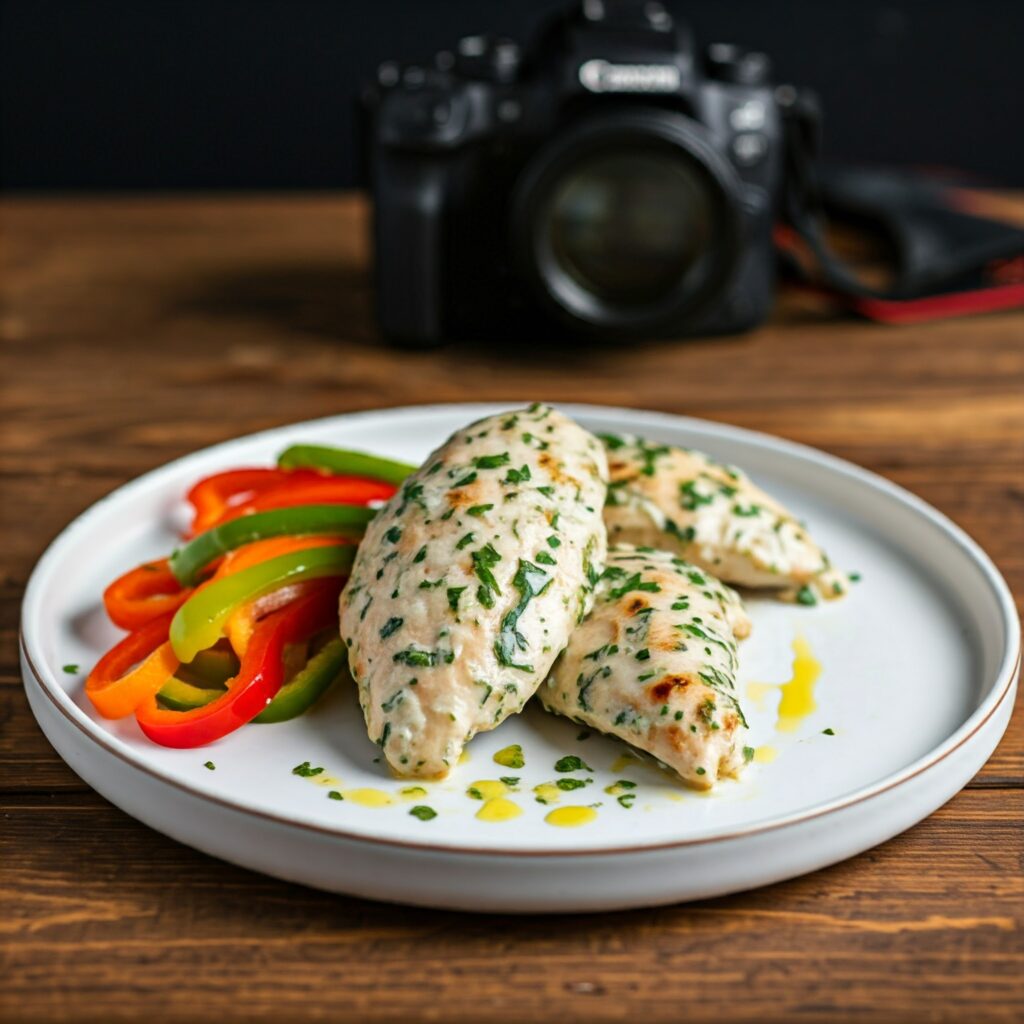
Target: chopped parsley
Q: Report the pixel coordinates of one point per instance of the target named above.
(569, 784)
(806, 596)
(572, 763)
(517, 476)
(210, 766)
(544, 558)
(454, 593)
(304, 771)
(423, 812)
(468, 539)
(491, 461)
(466, 480)
(333, 794)
(634, 582)
(690, 498)
(71, 669)
(530, 580)
(478, 510)
(748, 754)
(393, 625)
(828, 732)
(420, 555)
(554, 542)
(510, 757)
(483, 561)
(415, 656)
(642, 655)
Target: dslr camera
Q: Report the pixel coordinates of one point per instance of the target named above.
(609, 180)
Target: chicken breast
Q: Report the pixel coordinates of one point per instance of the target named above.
(714, 516)
(469, 581)
(655, 664)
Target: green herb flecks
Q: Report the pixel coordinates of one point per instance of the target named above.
(305, 771)
(393, 625)
(571, 763)
(491, 461)
(530, 580)
(483, 561)
(423, 812)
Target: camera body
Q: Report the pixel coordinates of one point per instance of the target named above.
(608, 181)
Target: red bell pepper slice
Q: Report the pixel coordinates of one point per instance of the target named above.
(142, 594)
(323, 490)
(259, 677)
(213, 496)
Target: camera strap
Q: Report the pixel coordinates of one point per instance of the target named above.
(953, 250)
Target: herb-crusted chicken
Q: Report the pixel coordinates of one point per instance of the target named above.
(469, 581)
(654, 663)
(714, 516)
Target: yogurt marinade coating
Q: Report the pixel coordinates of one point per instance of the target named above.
(654, 663)
(469, 581)
(713, 515)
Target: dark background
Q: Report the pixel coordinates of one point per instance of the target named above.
(211, 94)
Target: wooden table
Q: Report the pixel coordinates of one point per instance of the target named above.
(135, 330)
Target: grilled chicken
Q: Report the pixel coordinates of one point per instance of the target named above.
(654, 664)
(714, 516)
(469, 581)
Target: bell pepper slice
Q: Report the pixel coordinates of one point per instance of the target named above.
(209, 668)
(259, 677)
(199, 622)
(344, 462)
(132, 670)
(263, 550)
(212, 496)
(143, 593)
(308, 685)
(187, 564)
(179, 695)
(321, 490)
(293, 699)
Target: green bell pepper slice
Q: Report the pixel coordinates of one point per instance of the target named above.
(293, 699)
(308, 685)
(178, 695)
(344, 463)
(199, 623)
(187, 563)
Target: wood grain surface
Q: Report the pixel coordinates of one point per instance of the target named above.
(136, 330)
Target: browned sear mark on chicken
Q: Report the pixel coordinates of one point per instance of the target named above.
(662, 690)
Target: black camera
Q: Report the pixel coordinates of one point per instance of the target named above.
(608, 179)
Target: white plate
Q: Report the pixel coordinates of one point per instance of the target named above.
(919, 670)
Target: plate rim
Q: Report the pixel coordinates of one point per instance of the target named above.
(1005, 676)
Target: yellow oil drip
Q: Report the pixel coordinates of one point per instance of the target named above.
(618, 789)
(570, 817)
(327, 780)
(510, 757)
(486, 789)
(798, 694)
(625, 761)
(765, 754)
(547, 793)
(464, 756)
(413, 792)
(367, 797)
(499, 809)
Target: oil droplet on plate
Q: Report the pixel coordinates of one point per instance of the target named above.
(499, 809)
(510, 757)
(765, 755)
(798, 694)
(758, 692)
(547, 793)
(486, 789)
(620, 788)
(570, 817)
(367, 797)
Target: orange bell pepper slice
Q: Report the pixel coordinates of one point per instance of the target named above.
(142, 594)
(133, 670)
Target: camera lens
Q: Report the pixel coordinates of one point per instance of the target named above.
(630, 226)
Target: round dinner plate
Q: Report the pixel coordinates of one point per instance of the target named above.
(918, 669)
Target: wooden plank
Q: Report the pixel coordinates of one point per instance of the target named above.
(136, 330)
(114, 917)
